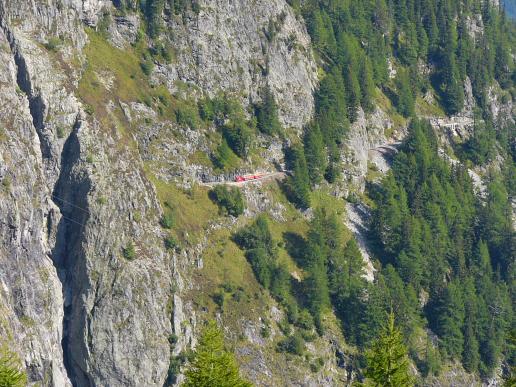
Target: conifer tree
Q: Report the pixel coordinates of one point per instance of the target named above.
(212, 365)
(387, 360)
(405, 100)
(153, 10)
(316, 289)
(331, 109)
(11, 374)
(450, 320)
(268, 121)
(314, 153)
(470, 354)
(299, 182)
(353, 93)
(367, 86)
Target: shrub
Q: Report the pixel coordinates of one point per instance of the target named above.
(6, 183)
(317, 365)
(292, 310)
(129, 251)
(89, 109)
(308, 336)
(239, 137)
(196, 7)
(174, 368)
(256, 235)
(265, 331)
(167, 221)
(239, 295)
(261, 264)
(229, 200)
(187, 115)
(284, 326)
(53, 44)
(218, 298)
(170, 243)
(11, 374)
(103, 23)
(224, 156)
(280, 287)
(228, 287)
(206, 109)
(172, 339)
(147, 66)
(293, 344)
(305, 320)
(60, 132)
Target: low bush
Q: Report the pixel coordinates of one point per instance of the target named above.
(293, 344)
(167, 221)
(229, 200)
(129, 251)
(187, 115)
(170, 243)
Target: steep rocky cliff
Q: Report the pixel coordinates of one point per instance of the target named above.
(112, 255)
(87, 285)
(76, 309)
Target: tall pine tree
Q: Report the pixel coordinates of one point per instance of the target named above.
(387, 360)
(212, 365)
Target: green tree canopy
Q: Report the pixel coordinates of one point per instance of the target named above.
(267, 114)
(213, 365)
(11, 374)
(387, 360)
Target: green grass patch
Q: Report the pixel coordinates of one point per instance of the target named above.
(191, 210)
(112, 74)
(426, 109)
(398, 120)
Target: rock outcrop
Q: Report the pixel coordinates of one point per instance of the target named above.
(240, 47)
(73, 306)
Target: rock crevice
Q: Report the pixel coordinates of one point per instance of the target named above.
(70, 195)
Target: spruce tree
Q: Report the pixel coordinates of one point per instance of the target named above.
(353, 93)
(268, 121)
(470, 354)
(450, 320)
(367, 86)
(387, 360)
(212, 365)
(299, 182)
(11, 374)
(405, 98)
(314, 153)
(153, 10)
(331, 108)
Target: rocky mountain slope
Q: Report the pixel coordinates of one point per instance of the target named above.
(75, 194)
(101, 142)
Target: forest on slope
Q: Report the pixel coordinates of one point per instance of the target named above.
(445, 255)
(147, 117)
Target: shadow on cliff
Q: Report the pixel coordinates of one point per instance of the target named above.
(70, 195)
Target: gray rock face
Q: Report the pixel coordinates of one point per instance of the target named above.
(241, 46)
(30, 291)
(71, 199)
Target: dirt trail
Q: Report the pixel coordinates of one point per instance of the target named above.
(260, 177)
